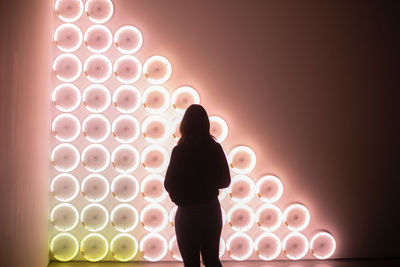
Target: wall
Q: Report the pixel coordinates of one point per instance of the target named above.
(24, 118)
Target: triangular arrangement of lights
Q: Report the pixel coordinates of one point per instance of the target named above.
(110, 149)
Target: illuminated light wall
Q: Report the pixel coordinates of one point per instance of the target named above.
(114, 124)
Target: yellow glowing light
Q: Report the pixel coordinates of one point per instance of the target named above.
(94, 247)
(64, 247)
(124, 247)
(94, 217)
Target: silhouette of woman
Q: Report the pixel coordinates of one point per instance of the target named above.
(197, 169)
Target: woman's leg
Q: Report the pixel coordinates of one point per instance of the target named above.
(211, 233)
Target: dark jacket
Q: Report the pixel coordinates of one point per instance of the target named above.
(195, 173)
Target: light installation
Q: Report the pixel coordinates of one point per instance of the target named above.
(114, 123)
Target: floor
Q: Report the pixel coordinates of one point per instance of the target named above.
(286, 263)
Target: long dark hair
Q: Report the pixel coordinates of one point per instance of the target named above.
(195, 125)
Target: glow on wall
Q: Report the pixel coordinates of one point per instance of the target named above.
(114, 124)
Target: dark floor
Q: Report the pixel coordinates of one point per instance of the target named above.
(286, 263)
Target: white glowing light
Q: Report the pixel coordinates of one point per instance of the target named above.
(126, 129)
(94, 247)
(64, 247)
(65, 157)
(64, 217)
(94, 217)
(322, 245)
(269, 188)
(223, 193)
(240, 217)
(241, 189)
(125, 187)
(242, 159)
(67, 37)
(183, 97)
(125, 158)
(174, 249)
(128, 39)
(67, 67)
(172, 214)
(98, 38)
(218, 128)
(95, 187)
(64, 187)
(97, 68)
(124, 247)
(99, 11)
(239, 246)
(95, 158)
(96, 128)
(152, 188)
(221, 247)
(66, 97)
(157, 69)
(295, 245)
(124, 217)
(155, 129)
(127, 99)
(155, 99)
(153, 247)
(127, 69)
(69, 10)
(96, 98)
(223, 213)
(155, 158)
(267, 246)
(66, 127)
(154, 218)
(269, 217)
(296, 217)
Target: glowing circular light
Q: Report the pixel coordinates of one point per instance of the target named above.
(95, 158)
(128, 39)
(66, 97)
(241, 189)
(64, 247)
(172, 214)
(66, 127)
(94, 217)
(223, 213)
(155, 158)
(174, 249)
(65, 157)
(69, 10)
(96, 98)
(99, 11)
(98, 38)
(126, 129)
(97, 68)
(127, 99)
(68, 37)
(155, 129)
(267, 246)
(269, 188)
(64, 217)
(239, 246)
(322, 245)
(221, 247)
(218, 128)
(174, 130)
(222, 193)
(154, 218)
(95, 187)
(124, 217)
(125, 158)
(295, 246)
(296, 217)
(269, 217)
(242, 159)
(64, 187)
(67, 67)
(96, 128)
(240, 217)
(153, 247)
(183, 97)
(124, 247)
(94, 247)
(157, 69)
(152, 188)
(125, 187)
(127, 69)
(155, 99)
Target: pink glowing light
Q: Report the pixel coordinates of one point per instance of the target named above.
(96, 98)
(67, 37)
(94, 217)
(98, 38)
(157, 69)
(128, 39)
(127, 99)
(267, 246)
(67, 67)
(154, 218)
(96, 128)
(65, 157)
(183, 97)
(155, 158)
(269, 217)
(240, 217)
(296, 217)
(95, 187)
(95, 158)
(66, 127)
(125, 187)
(124, 217)
(218, 128)
(154, 129)
(269, 188)
(295, 245)
(64, 187)
(239, 246)
(66, 97)
(241, 189)
(64, 217)
(97, 68)
(153, 247)
(99, 11)
(155, 99)
(127, 69)
(152, 188)
(322, 245)
(242, 159)
(125, 158)
(126, 129)
(174, 249)
(69, 10)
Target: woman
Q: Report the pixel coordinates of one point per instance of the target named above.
(197, 169)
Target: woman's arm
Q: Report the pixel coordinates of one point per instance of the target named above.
(224, 176)
(171, 177)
